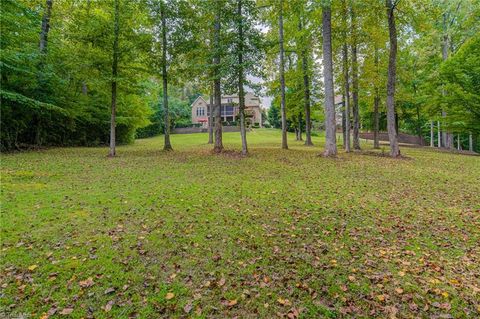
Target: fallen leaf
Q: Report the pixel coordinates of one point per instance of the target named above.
(66, 311)
(169, 295)
(381, 297)
(284, 302)
(351, 278)
(86, 283)
(32, 267)
(232, 302)
(188, 307)
(401, 273)
(399, 291)
(221, 282)
(109, 306)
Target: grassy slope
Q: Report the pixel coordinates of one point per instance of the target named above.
(277, 232)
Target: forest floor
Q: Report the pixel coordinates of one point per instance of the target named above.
(153, 234)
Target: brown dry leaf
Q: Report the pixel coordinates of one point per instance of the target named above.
(351, 278)
(381, 297)
(221, 282)
(188, 307)
(232, 302)
(401, 273)
(66, 311)
(399, 291)
(169, 295)
(284, 302)
(86, 283)
(109, 306)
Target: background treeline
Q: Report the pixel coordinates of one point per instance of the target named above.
(437, 66)
(57, 58)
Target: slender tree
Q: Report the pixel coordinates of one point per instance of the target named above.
(282, 77)
(210, 117)
(356, 112)
(346, 80)
(116, 30)
(330, 137)
(241, 76)
(167, 145)
(376, 103)
(392, 68)
(306, 92)
(218, 146)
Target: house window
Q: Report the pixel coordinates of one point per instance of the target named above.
(200, 111)
(227, 110)
(229, 100)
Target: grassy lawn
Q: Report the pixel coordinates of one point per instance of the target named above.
(151, 234)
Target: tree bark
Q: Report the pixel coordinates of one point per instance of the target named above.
(470, 142)
(447, 136)
(392, 68)
(432, 135)
(167, 145)
(376, 104)
(282, 77)
(210, 117)
(356, 115)
(458, 142)
(241, 93)
(346, 84)
(116, 29)
(330, 137)
(306, 95)
(439, 132)
(45, 27)
(218, 147)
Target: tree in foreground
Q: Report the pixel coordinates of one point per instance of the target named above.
(282, 77)
(116, 28)
(218, 146)
(330, 137)
(392, 68)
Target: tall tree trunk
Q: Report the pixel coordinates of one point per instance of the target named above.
(210, 116)
(392, 69)
(376, 104)
(282, 77)
(116, 30)
(356, 115)
(344, 129)
(41, 80)
(376, 119)
(432, 135)
(167, 145)
(439, 132)
(458, 142)
(306, 95)
(330, 137)
(45, 27)
(218, 147)
(447, 136)
(470, 142)
(346, 87)
(241, 93)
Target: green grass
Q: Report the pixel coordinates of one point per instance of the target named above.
(280, 232)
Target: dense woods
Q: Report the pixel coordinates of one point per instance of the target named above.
(105, 72)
